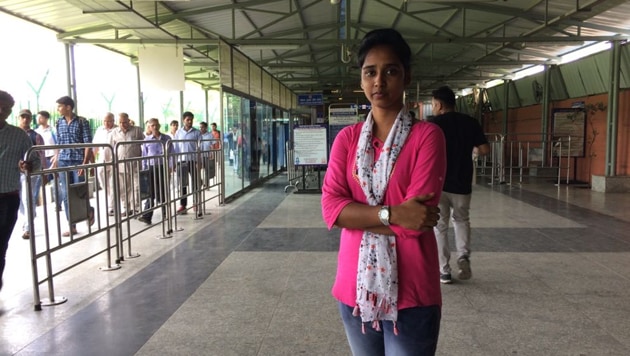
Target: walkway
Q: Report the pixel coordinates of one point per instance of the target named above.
(551, 274)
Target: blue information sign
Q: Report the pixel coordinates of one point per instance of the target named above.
(310, 99)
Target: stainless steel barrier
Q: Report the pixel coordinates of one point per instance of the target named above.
(293, 173)
(211, 173)
(78, 206)
(135, 179)
(510, 157)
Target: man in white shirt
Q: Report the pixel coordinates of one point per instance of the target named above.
(104, 155)
(50, 138)
(128, 173)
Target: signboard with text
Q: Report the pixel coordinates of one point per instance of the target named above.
(310, 99)
(309, 145)
(340, 116)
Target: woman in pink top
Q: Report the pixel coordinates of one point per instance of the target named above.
(382, 188)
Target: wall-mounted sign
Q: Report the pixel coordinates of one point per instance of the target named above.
(310, 99)
(569, 128)
(310, 145)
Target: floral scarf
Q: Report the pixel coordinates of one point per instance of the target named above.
(377, 274)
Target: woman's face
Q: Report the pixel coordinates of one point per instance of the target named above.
(383, 78)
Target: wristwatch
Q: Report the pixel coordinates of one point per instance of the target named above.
(383, 215)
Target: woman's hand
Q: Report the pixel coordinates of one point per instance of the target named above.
(413, 214)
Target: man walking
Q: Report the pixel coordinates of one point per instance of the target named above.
(128, 173)
(24, 122)
(463, 133)
(207, 156)
(153, 149)
(187, 154)
(14, 143)
(71, 129)
(104, 155)
(50, 139)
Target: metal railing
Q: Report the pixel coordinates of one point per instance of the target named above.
(131, 185)
(301, 178)
(513, 158)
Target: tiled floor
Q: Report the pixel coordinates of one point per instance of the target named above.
(551, 271)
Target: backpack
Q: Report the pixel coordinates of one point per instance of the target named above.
(33, 136)
(82, 121)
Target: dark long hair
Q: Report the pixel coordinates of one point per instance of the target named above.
(385, 37)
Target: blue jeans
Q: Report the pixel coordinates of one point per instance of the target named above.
(73, 177)
(36, 183)
(418, 331)
(54, 183)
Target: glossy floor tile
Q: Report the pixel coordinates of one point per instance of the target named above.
(551, 269)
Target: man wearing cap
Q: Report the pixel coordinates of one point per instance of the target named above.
(14, 143)
(24, 122)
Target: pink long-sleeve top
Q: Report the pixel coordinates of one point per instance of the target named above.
(419, 169)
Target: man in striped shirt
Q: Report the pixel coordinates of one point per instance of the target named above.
(71, 129)
(14, 143)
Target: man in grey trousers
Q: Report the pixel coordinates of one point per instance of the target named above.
(463, 134)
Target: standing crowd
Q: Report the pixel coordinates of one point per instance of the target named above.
(139, 160)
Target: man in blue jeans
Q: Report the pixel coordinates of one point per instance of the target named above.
(24, 122)
(71, 129)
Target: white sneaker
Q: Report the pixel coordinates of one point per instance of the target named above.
(464, 272)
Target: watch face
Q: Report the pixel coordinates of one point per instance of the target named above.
(383, 215)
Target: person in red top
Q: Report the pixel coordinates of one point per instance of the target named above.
(382, 187)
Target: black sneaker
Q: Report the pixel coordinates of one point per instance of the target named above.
(145, 220)
(446, 278)
(464, 272)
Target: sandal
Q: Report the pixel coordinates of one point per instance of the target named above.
(67, 233)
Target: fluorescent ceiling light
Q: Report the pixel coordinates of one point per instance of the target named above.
(529, 71)
(585, 51)
(269, 46)
(494, 83)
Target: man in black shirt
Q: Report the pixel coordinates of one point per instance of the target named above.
(463, 134)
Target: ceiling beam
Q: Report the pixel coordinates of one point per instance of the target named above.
(326, 42)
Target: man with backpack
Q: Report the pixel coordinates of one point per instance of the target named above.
(71, 129)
